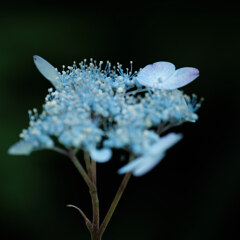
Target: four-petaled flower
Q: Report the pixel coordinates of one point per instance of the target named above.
(162, 75)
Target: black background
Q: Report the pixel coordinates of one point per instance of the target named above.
(194, 193)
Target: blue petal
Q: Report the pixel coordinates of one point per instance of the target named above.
(131, 166)
(147, 165)
(181, 77)
(21, 148)
(101, 155)
(151, 157)
(141, 165)
(154, 75)
(47, 70)
(164, 143)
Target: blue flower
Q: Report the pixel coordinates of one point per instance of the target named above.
(162, 75)
(97, 110)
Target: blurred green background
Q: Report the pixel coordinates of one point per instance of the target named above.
(195, 192)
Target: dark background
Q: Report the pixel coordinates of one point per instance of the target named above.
(194, 193)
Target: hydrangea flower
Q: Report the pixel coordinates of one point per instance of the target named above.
(96, 109)
(162, 75)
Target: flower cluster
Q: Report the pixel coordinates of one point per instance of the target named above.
(98, 109)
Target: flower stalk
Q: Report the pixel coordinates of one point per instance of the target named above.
(81, 170)
(90, 178)
(114, 203)
(95, 203)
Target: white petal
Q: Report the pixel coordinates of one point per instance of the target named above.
(21, 148)
(47, 70)
(101, 155)
(154, 75)
(180, 78)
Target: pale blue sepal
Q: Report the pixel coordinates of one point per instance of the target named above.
(164, 143)
(21, 148)
(156, 74)
(101, 155)
(141, 165)
(130, 166)
(152, 156)
(47, 70)
(147, 165)
(181, 77)
(162, 75)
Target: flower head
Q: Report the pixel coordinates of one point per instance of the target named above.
(98, 109)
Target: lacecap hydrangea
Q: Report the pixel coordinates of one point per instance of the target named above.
(97, 109)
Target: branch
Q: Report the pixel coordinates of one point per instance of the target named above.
(82, 171)
(114, 203)
(87, 221)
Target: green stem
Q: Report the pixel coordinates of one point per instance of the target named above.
(82, 171)
(91, 180)
(88, 164)
(114, 204)
(94, 172)
(60, 150)
(95, 203)
(95, 221)
(87, 221)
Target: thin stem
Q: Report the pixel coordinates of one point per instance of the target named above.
(59, 150)
(91, 179)
(94, 172)
(92, 190)
(136, 91)
(88, 163)
(169, 125)
(87, 221)
(114, 203)
(81, 170)
(95, 210)
(95, 202)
